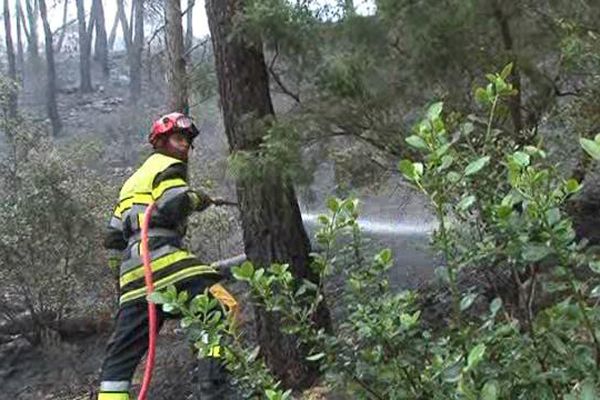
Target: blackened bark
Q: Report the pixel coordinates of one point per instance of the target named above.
(101, 43)
(189, 33)
(85, 74)
(176, 75)
(271, 219)
(20, 53)
(51, 73)
(63, 32)
(32, 35)
(12, 62)
(113, 31)
(124, 25)
(135, 53)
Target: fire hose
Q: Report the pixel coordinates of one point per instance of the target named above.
(152, 318)
(152, 328)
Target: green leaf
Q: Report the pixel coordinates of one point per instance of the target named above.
(489, 391)
(521, 158)
(244, 272)
(466, 203)
(595, 266)
(447, 161)
(435, 110)
(506, 71)
(417, 142)
(453, 177)
(418, 167)
(315, 357)
(495, 306)
(572, 186)
(467, 301)
(557, 344)
(534, 252)
(407, 169)
(384, 256)
(476, 165)
(475, 356)
(157, 298)
(553, 216)
(333, 204)
(591, 147)
(481, 96)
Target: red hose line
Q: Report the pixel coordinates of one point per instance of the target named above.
(152, 328)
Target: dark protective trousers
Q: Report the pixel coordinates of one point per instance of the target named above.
(129, 342)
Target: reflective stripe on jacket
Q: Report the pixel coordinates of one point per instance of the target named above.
(162, 180)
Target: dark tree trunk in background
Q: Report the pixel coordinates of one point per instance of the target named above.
(51, 73)
(63, 32)
(113, 32)
(20, 53)
(271, 220)
(101, 43)
(349, 9)
(124, 24)
(515, 102)
(135, 53)
(32, 34)
(176, 75)
(189, 33)
(12, 62)
(85, 73)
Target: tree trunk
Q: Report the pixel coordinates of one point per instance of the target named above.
(20, 53)
(349, 9)
(63, 32)
(113, 32)
(189, 33)
(32, 36)
(51, 73)
(124, 25)
(85, 74)
(101, 44)
(135, 53)
(176, 75)
(271, 219)
(515, 102)
(12, 62)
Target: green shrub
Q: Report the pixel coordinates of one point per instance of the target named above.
(499, 208)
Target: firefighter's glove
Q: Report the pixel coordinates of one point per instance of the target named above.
(200, 201)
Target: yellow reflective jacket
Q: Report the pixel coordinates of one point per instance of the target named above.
(162, 180)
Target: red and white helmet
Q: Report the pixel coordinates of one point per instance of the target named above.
(171, 123)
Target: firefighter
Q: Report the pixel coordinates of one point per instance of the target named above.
(162, 179)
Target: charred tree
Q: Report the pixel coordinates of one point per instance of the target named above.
(101, 43)
(135, 51)
(113, 31)
(85, 72)
(32, 33)
(12, 62)
(176, 75)
(127, 30)
(63, 31)
(189, 33)
(271, 219)
(20, 53)
(51, 107)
